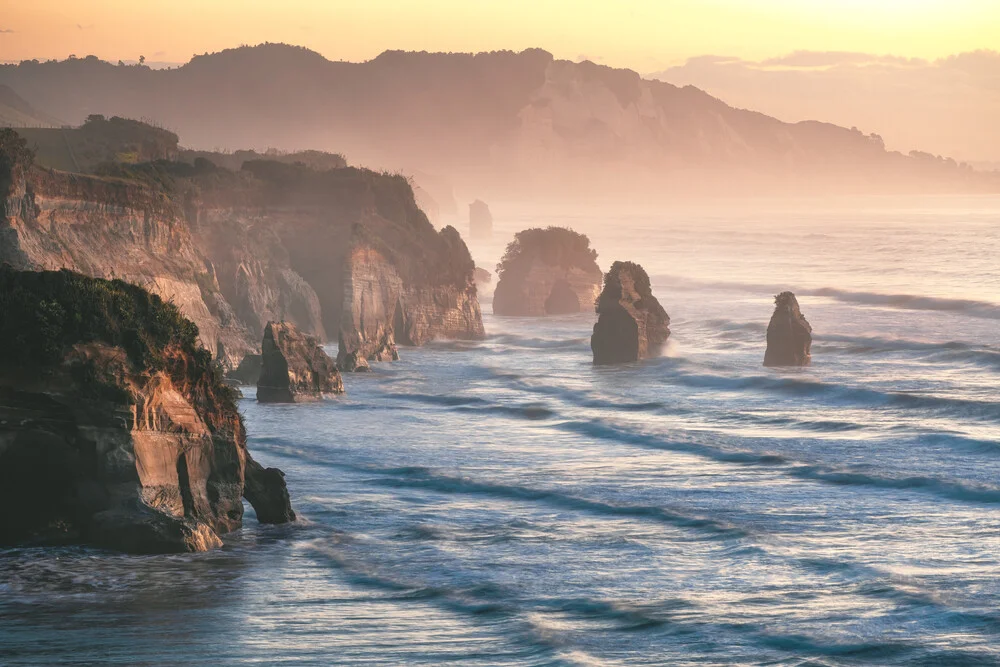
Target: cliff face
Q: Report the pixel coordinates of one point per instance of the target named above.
(114, 428)
(381, 310)
(235, 250)
(111, 228)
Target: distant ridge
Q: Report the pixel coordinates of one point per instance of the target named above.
(16, 112)
(500, 122)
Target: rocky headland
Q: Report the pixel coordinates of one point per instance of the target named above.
(789, 335)
(551, 271)
(631, 323)
(342, 253)
(115, 427)
(294, 368)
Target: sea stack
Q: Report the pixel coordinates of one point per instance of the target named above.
(550, 271)
(294, 367)
(483, 277)
(631, 323)
(789, 335)
(115, 429)
(480, 221)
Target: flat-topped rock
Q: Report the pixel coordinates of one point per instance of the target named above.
(550, 271)
(789, 335)
(294, 367)
(631, 323)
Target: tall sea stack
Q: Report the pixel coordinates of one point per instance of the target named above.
(631, 323)
(480, 221)
(789, 335)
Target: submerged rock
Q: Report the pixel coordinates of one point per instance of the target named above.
(549, 271)
(115, 428)
(294, 367)
(631, 323)
(480, 220)
(789, 335)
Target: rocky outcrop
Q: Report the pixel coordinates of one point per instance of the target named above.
(789, 335)
(480, 221)
(549, 271)
(273, 242)
(294, 368)
(631, 323)
(115, 429)
(382, 310)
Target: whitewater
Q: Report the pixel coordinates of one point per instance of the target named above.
(505, 502)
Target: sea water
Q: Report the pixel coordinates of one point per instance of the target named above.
(505, 502)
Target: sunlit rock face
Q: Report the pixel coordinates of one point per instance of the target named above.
(115, 429)
(789, 335)
(631, 323)
(237, 249)
(294, 368)
(549, 271)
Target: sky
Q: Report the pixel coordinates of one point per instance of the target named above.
(644, 35)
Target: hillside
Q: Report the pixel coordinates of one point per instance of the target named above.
(16, 112)
(501, 122)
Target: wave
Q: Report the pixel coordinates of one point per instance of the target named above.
(941, 487)
(971, 307)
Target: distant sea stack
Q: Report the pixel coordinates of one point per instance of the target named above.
(294, 368)
(340, 252)
(631, 323)
(483, 277)
(480, 221)
(789, 335)
(115, 429)
(550, 271)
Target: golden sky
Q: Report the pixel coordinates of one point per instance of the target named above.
(642, 34)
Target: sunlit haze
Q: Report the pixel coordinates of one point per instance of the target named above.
(641, 34)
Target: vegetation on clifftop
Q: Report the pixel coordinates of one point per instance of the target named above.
(555, 246)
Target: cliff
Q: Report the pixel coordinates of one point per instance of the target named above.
(550, 271)
(501, 124)
(235, 250)
(115, 429)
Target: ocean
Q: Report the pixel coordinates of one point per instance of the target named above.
(505, 502)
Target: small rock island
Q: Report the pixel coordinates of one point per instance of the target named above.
(116, 429)
(789, 335)
(550, 271)
(631, 323)
(294, 367)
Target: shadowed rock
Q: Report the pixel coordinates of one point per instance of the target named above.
(294, 367)
(549, 271)
(115, 429)
(248, 372)
(631, 323)
(789, 335)
(483, 277)
(265, 489)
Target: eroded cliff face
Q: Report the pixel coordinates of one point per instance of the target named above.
(235, 250)
(114, 428)
(381, 310)
(109, 228)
